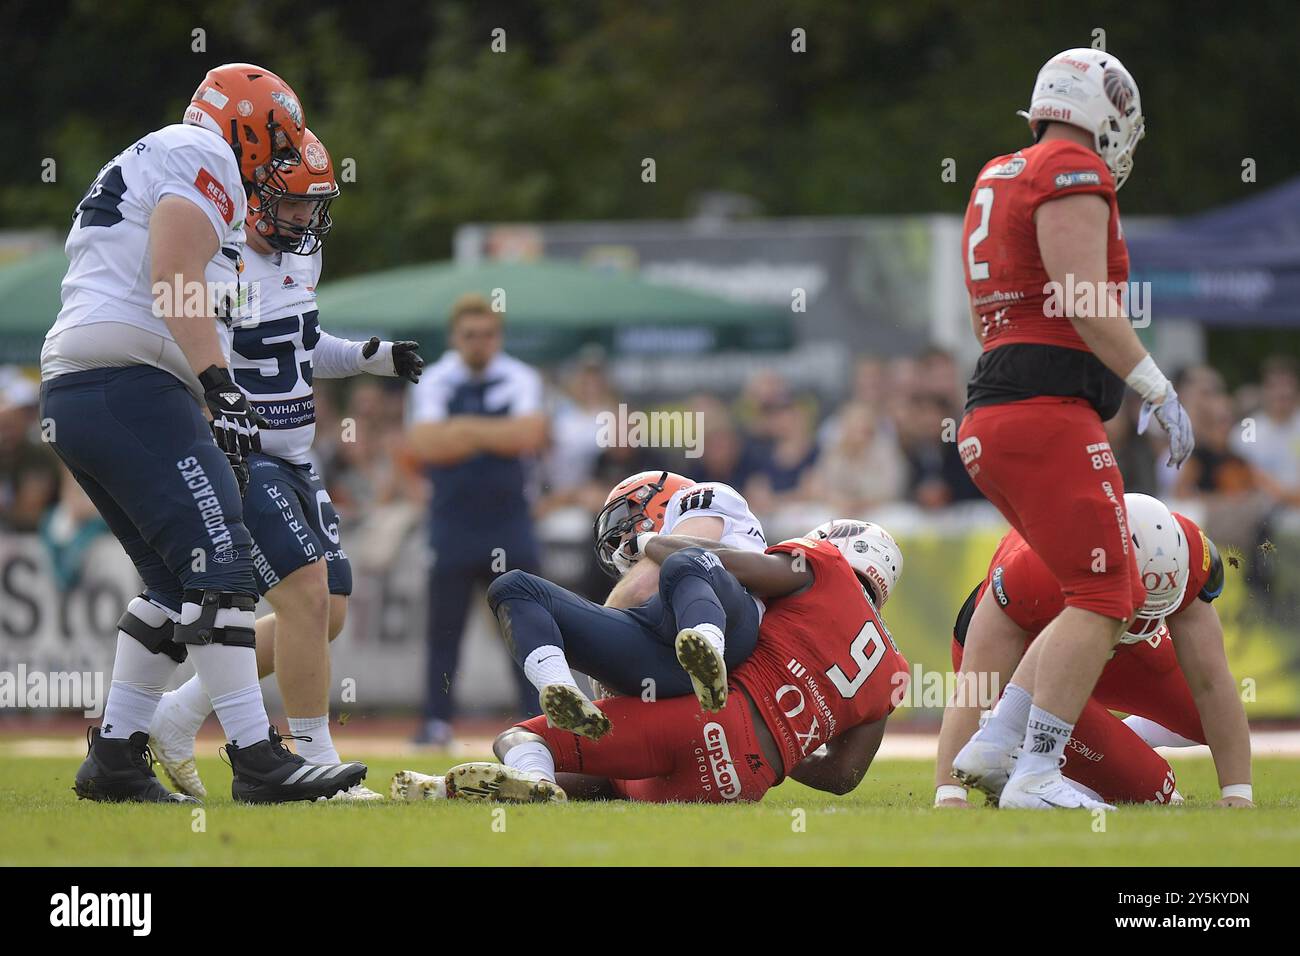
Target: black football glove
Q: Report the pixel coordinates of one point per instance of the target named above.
(234, 423)
(406, 359)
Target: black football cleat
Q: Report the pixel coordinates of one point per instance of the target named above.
(269, 772)
(117, 770)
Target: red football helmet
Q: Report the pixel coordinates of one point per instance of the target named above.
(637, 503)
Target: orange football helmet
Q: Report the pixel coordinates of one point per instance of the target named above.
(257, 113)
(637, 503)
(312, 180)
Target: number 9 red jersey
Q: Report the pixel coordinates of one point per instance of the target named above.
(825, 661)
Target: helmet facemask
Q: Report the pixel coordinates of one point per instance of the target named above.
(621, 518)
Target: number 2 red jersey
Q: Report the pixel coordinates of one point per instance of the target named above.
(825, 661)
(1008, 283)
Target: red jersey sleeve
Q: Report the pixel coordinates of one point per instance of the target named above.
(1205, 567)
(1062, 168)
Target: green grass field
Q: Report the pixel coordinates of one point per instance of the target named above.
(887, 821)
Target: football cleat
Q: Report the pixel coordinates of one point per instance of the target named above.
(498, 783)
(173, 745)
(705, 666)
(117, 770)
(357, 793)
(1045, 790)
(567, 708)
(413, 787)
(269, 772)
(984, 766)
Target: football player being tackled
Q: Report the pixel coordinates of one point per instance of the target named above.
(810, 703)
(128, 370)
(1046, 269)
(1169, 672)
(670, 631)
(302, 570)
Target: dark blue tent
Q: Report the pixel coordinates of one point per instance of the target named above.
(1237, 265)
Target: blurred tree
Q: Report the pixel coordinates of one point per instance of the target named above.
(440, 129)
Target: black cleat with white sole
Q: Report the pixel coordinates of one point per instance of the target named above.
(118, 770)
(269, 772)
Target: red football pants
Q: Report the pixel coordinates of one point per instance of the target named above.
(669, 750)
(1048, 468)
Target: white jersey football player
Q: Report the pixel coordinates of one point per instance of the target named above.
(642, 612)
(139, 349)
(301, 567)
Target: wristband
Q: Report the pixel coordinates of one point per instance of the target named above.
(1239, 790)
(381, 363)
(949, 792)
(214, 376)
(1148, 381)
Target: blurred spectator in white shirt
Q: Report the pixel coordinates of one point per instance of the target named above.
(861, 468)
(1270, 439)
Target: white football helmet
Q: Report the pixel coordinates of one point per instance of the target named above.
(870, 550)
(1163, 559)
(1091, 89)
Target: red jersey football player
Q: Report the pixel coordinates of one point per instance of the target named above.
(1169, 672)
(810, 702)
(1045, 262)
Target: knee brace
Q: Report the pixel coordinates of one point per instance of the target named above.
(216, 617)
(152, 625)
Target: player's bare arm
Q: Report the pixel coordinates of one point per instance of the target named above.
(1198, 641)
(181, 242)
(844, 762)
(764, 575)
(994, 646)
(1072, 237)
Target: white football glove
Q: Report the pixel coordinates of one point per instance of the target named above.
(1173, 417)
(631, 551)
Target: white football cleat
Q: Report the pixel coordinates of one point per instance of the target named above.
(498, 783)
(357, 793)
(173, 745)
(707, 670)
(984, 766)
(567, 708)
(413, 787)
(1045, 790)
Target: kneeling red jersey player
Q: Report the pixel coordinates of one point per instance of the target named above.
(810, 703)
(1169, 672)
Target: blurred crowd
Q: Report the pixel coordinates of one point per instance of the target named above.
(890, 439)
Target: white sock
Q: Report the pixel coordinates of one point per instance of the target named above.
(229, 676)
(139, 677)
(191, 705)
(532, 756)
(320, 748)
(714, 636)
(548, 665)
(1045, 738)
(1156, 735)
(1006, 725)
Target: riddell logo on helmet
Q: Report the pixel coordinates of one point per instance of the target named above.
(1049, 113)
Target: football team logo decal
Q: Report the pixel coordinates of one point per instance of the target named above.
(290, 106)
(1118, 89)
(314, 154)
